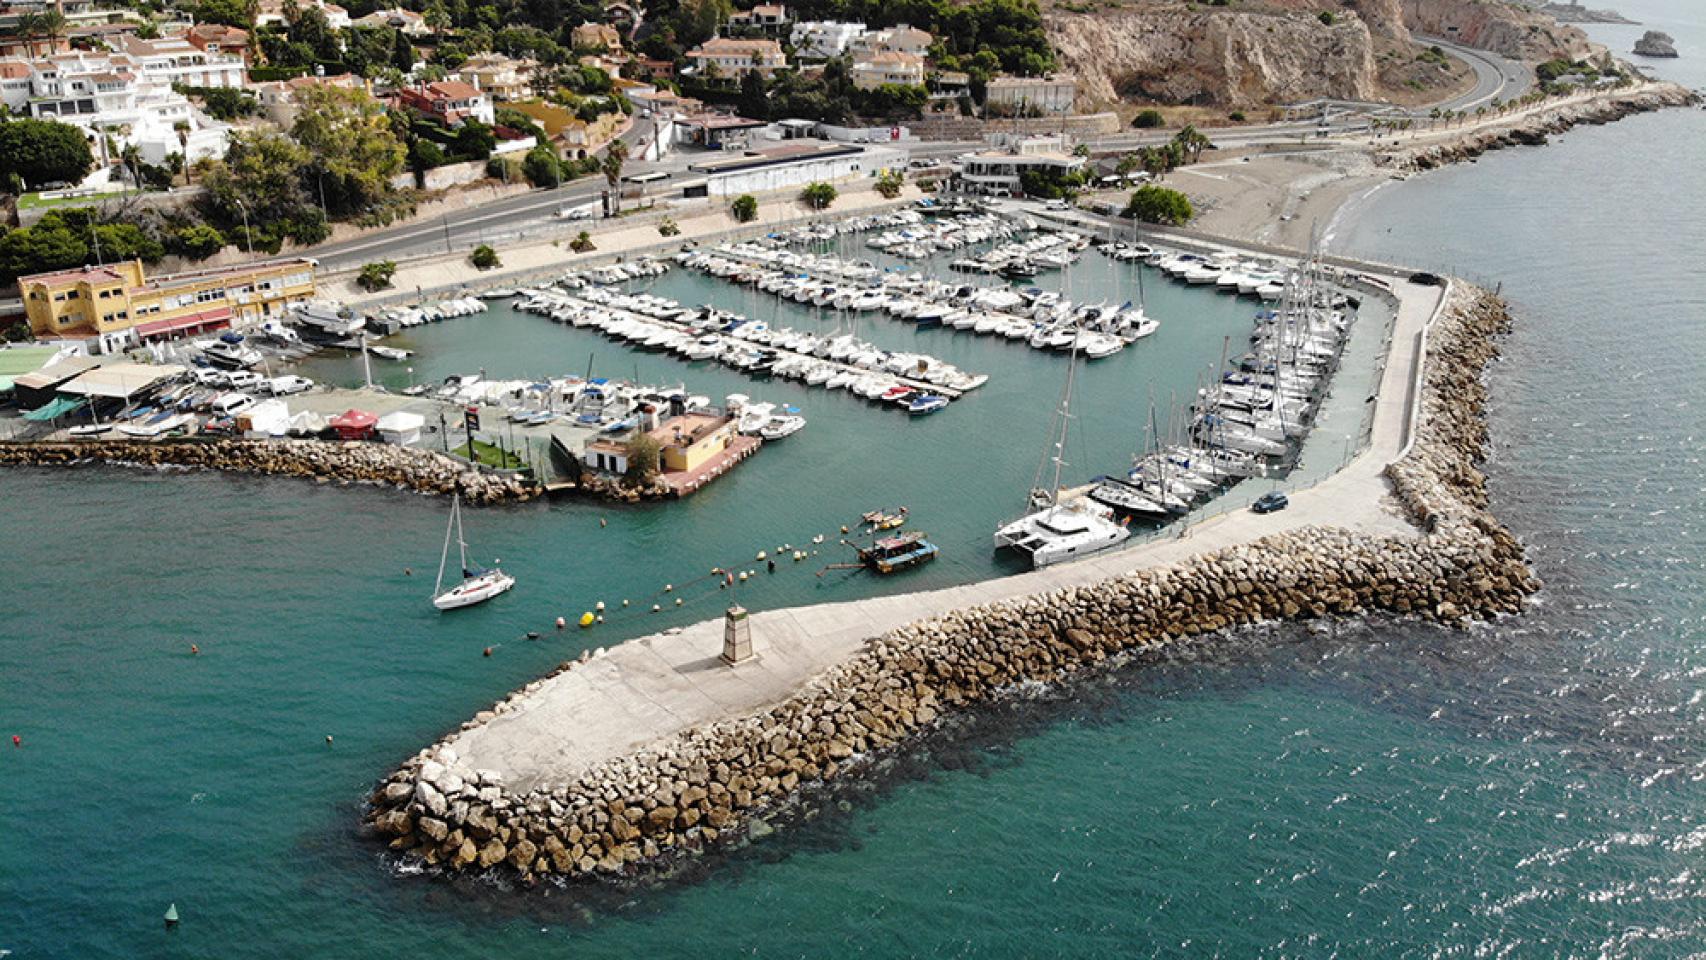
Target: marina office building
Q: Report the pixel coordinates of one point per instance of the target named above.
(788, 167)
(114, 307)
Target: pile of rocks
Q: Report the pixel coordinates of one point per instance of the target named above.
(1533, 131)
(420, 470)
(697, 788)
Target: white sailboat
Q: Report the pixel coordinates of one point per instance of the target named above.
(477, 585)
(1059, 529)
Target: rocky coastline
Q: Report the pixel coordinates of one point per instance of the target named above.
(638, 814)
(422, 471)
(1534, 131)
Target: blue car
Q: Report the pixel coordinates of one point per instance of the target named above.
(1269, 502)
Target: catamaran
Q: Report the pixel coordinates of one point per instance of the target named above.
(478, 585)
(1057, 528)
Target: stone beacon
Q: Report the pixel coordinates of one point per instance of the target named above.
(737, 636)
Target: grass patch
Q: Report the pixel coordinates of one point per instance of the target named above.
(35, 201)
(488, 455)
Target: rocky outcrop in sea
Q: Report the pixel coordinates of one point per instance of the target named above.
(1654, 43)
(709, 786)
(422, 471)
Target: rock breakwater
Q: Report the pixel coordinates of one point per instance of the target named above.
(1533, 131)
(702, 787)
(422, 471)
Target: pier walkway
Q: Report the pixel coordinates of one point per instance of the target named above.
(656, 686)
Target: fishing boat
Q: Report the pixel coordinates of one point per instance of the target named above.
(478, 585)
(898, 552)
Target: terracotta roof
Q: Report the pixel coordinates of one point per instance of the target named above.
(14, 69)
(725, 45)
(453, 90)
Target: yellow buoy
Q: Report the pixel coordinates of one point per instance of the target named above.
(587, 619)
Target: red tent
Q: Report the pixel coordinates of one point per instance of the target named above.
(354, 424)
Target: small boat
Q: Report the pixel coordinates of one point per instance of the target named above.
(478, 585)
(898, 552)
(926, 404)
(882, 520)
(90, 430)
(390, 353)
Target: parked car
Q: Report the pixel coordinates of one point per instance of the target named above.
(1056, 205)
(231, 404)
(287, 384)
(244, 380)
(210, 377)
(1427, 279)
(1269, 502)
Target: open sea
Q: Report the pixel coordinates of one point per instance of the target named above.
(1363, 788)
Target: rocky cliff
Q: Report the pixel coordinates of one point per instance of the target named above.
(1503, 28)
(1170, 53)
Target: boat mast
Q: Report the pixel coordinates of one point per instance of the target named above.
(438, 585)
(461, 545)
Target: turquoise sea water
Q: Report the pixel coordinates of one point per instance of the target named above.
(1529, 788)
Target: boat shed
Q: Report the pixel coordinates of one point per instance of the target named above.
(788, 167)
(120, 381)
(37, 389)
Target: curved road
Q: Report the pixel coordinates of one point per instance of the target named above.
(1496, 78)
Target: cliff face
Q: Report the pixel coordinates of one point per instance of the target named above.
(1503, 28)
(1234, 59)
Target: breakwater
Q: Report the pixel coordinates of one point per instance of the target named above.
(1534, 130)
(422, 471)
(644, 808)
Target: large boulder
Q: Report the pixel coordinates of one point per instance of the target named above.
(1655, 43)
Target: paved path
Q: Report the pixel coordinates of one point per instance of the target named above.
(656, 686)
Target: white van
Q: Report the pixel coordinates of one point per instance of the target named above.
(231, 404)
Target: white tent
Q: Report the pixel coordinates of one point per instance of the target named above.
(401, 427)
(269, 418)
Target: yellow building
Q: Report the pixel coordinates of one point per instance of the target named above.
(117, 306)
(685, 443)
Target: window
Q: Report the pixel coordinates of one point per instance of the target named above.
(209, 295)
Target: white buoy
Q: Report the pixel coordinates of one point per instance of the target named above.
(761, 554)
(656, 608)
(668, 587)
(599, 606)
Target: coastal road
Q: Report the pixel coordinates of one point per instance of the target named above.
(509, 219)
(1496, 77)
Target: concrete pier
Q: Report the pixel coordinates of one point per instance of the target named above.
(649, 689)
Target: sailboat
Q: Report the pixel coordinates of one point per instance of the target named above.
(1057, 529)
(477, 585)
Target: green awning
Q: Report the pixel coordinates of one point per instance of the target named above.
(52, 411)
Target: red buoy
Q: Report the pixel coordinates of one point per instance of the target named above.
(17, 741)
(488, 651)
(194, 650)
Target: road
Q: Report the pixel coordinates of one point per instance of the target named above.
(508, 219)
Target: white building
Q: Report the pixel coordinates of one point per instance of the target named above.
(118, 95)
(900, 39)
(998, 173)
(172, 60)
(788, 168)
(824, 39)
(724, 57)
(1022, 96)
(409, 22)
(272, 13)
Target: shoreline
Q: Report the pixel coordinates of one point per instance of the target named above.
(1284, 196)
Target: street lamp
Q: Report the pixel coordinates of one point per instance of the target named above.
(247, 235)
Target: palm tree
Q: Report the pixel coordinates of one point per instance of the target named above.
(614, 155)
(52, 26)
(1192, 142)
(29, 27)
